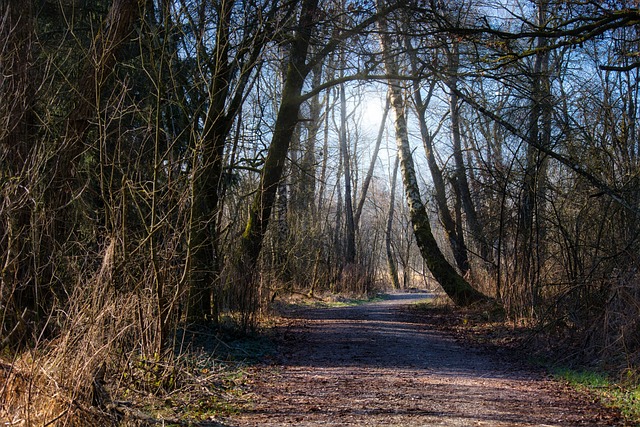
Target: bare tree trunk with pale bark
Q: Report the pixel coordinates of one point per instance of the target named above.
(456, 287)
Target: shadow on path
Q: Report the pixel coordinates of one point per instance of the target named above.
(375, 365)
(380, 335)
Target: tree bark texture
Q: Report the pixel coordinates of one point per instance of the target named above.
(286, 121)
(461, 292)
(456, 241)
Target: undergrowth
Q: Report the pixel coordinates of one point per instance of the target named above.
(203, 378)
(622, 395)
(212, 376)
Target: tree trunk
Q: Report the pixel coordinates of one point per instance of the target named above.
(19, 287)
(452, 283)
(286, 121)
(462, 183)
(225, 103)
(207, 175)
(66, 197)
(279, 260)
(456, 241)
(372, 165)
(325, 139)
(116, 29)
(391, 261)
(306, 191)
(350, 236)
(529, 249)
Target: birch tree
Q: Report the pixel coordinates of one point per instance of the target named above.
(456, 287)
(421, 103)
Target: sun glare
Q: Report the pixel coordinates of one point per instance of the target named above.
(372, 111)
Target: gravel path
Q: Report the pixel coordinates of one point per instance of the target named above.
(376, 365)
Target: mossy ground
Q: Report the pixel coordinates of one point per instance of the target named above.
(623, 394)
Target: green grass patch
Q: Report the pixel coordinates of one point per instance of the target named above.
(425, 304)
(613, 394)
(353, 302)
(326, 301)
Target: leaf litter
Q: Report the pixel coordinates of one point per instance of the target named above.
(378, 364)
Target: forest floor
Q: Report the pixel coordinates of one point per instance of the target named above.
(382, 364)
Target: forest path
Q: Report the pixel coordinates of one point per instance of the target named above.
(377, 365)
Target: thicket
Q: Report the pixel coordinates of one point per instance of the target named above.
(165, 164)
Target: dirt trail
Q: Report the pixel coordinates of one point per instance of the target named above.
(375, 365)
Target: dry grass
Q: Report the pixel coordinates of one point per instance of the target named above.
(41, 393)
(98, 372)
(63, 381)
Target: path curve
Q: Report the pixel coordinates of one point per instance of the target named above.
(376, 365)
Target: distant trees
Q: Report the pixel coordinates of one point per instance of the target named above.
(181, 89)
(521, 83)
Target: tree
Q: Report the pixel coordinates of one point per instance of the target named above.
(372, 164)
(232, 65)
(391, 261)
(456, 240)
(350, 224)
(18, 288)
(298, 68)
(461, 182)
(453, 284)
(286, 121)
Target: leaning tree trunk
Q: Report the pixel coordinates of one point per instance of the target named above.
(456, 240)
(286, 121)
(456, 287)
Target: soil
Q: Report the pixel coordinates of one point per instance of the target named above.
(378, 364)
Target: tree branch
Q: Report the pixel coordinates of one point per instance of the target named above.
(574, 166)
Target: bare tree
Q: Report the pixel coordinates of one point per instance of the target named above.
(391, 261)
(453, 284)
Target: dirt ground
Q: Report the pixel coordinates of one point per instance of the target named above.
(378, 365)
